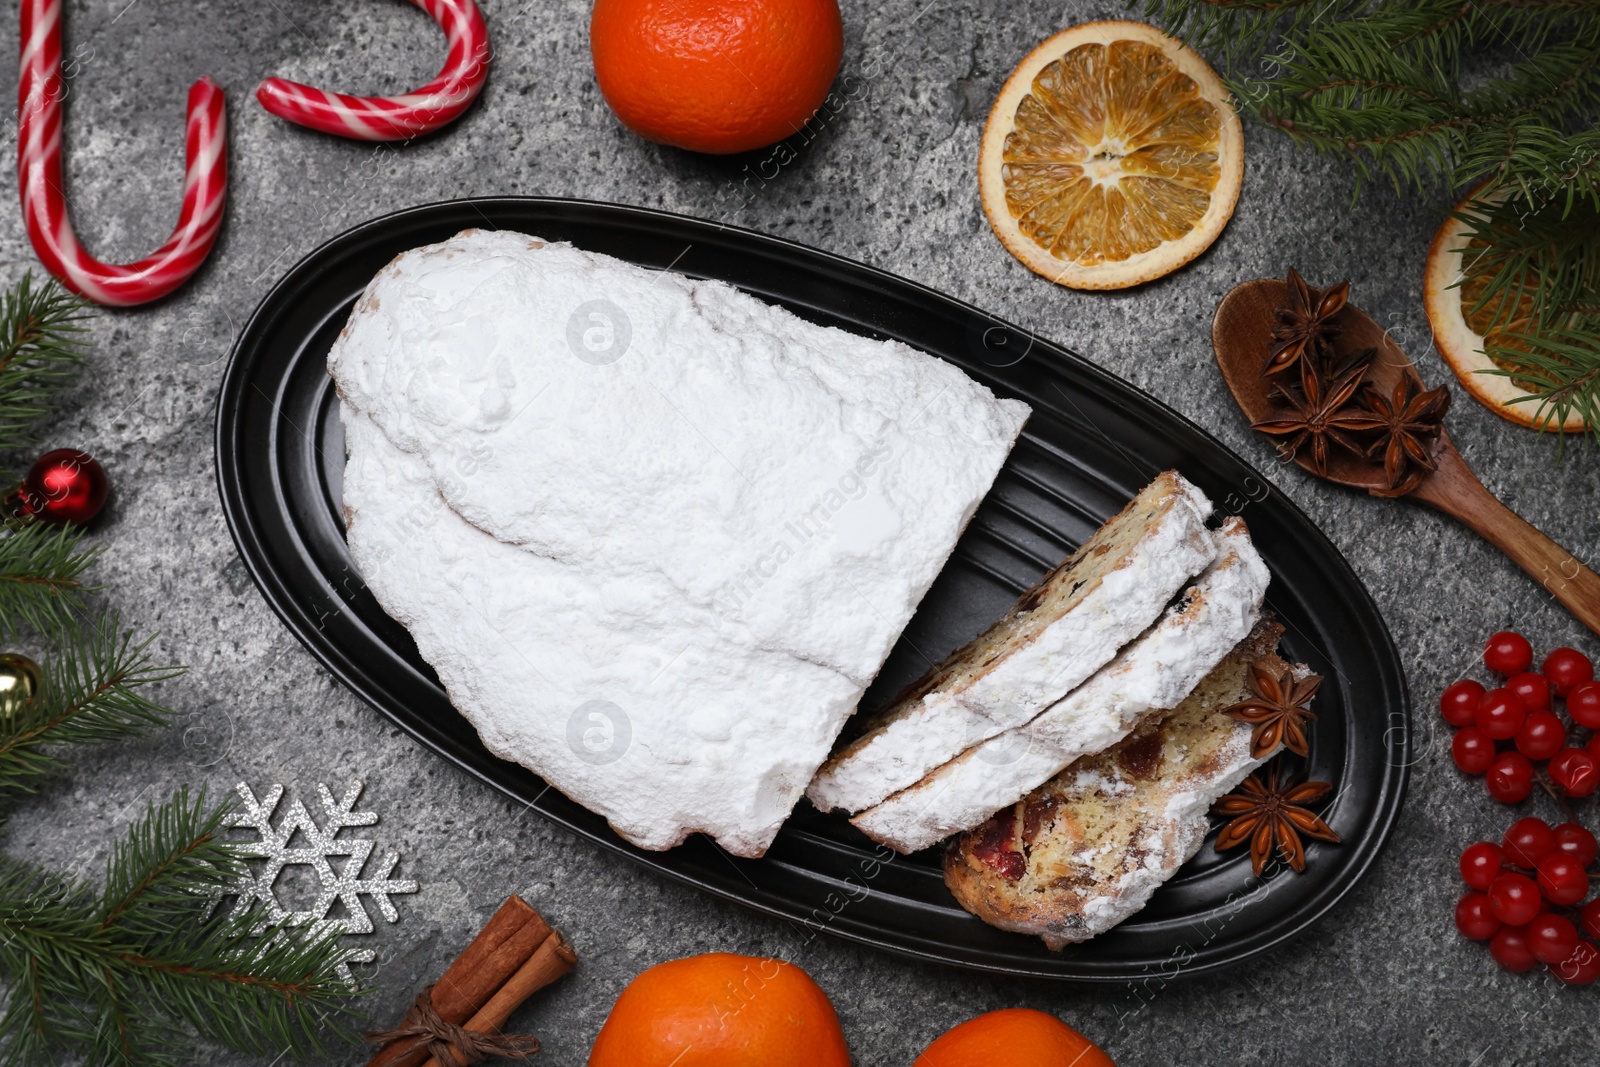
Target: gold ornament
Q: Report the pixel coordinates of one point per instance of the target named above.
(21, 679)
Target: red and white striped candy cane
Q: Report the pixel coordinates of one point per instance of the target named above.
(397, 118)
(39, 98)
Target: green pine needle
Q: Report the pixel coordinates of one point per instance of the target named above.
(41, 578)
(1501, 97)
(1540, 272)
(137, 973)
(1537, 165)
(91, 693)
(41, 347)
(1560, 370)
(133, 975)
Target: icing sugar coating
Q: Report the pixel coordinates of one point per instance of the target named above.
(1154, 673)
(654, 535)
(804, 482)
(1124, 601)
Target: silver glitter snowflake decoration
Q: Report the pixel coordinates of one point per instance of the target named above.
(344, 884)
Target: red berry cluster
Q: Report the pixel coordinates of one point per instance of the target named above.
(1505, 730)
(1524, 895)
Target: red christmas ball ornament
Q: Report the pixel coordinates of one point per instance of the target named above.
(63, 486)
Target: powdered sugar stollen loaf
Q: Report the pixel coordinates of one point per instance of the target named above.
(554, 667)
(1155, 672)
(654, 535)
(1087, 849)
(1059, 633)
(803, 483)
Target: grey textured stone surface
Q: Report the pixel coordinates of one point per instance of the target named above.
(1384, 979)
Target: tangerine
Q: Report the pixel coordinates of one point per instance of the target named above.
(716, 76)
(721, 1010)
(1029, 1039)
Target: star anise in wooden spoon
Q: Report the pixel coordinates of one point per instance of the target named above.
(1304, 328)
(1410, 420)
(1336, 366)
(1241, 335)
(1268, 814)
(1278, 711)
(1319, 418)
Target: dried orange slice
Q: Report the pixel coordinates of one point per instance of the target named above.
(1462, 330)
(1112, 156)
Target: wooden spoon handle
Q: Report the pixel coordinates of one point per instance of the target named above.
(1456, 491)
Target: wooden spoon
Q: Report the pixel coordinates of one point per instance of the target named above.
(1241, 334)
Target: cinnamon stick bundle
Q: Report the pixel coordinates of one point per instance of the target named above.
(504, 946)
(553, 959)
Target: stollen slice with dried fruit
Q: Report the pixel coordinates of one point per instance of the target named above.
(1155, 673)
(1111, 157)
(1465, 324)
(1088, 848)
(1060, 632)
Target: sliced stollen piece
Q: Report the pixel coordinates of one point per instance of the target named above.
(1155, 673)
(1087, 849)
(1059, 633)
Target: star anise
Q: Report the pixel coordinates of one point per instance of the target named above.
(1278, 711)
(1320, 418)
(1408, 422)
(1338, 366)
(1268, 814)
(1304, 328)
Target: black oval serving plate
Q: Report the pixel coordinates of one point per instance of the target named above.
(1093, 441)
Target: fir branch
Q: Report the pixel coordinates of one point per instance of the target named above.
(1534, 163)
(37, 914)
(1382, 83)
(91, 693)
(1535, 298)
(41, 578)
(1500, 96)
(41, 347)
(1238, 29)
(258, 992)
(1557, 85)
(1540, 263)
(170, 845)
(1561, 371)
(1369, 89)
(130, 976)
